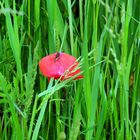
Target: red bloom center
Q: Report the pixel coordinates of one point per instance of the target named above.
(59, 65)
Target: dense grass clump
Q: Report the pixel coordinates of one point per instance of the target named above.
(104, 35)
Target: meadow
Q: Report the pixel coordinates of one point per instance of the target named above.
(104, 36)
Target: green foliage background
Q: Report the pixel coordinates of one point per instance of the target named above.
(104, 35)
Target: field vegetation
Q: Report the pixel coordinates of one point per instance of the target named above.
(104, 35)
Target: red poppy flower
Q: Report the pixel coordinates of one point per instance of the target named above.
(59, 65)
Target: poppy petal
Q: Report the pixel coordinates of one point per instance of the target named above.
(55, 65)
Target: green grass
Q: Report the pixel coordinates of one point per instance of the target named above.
(104, 35)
